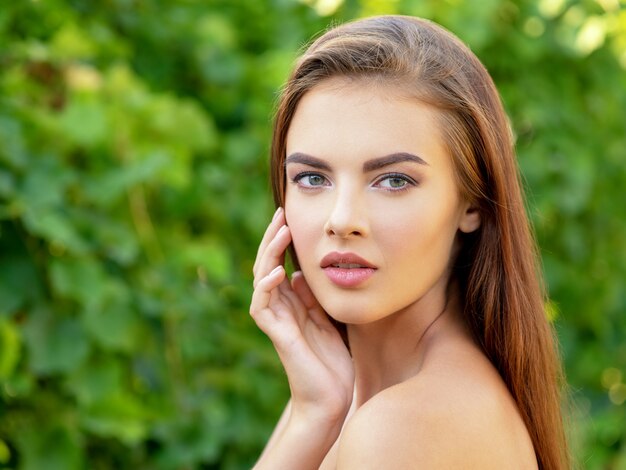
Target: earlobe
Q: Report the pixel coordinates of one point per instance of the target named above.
(470, 221)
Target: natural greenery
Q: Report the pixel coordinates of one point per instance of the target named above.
(133, 192)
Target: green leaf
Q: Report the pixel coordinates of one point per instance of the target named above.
(71, 42)
(96, 380)
(45, 184)
(117, 240)
(49, 448)
(55, 344)
(108, 187)
(81, 279)
(19, 283)
(114, 326)
(13, 149)
(121, 416)
(209, 254)
(7, 184)
(55, 227)
(5, 452)
(84, 121)
(10, 348)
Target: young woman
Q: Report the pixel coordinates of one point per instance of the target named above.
(413, 334)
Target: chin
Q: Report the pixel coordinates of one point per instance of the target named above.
(350, 312)
(351, 318)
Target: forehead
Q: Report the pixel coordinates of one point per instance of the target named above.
(355, 120)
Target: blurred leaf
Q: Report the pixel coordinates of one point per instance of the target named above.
(19, 283)
(81, 279)
(55, 345)
(109, 186)
(84, 121)
(5, 452)
(211, 256)
(13, 150)
(96, 380)
(70, 42)
(10, 346)
(120, 415)
(56, 228)
(48, 448)
(114, 326)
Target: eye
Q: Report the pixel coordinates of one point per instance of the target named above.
(395, 182)
(310, 180)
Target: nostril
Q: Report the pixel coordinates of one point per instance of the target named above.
(341, 232)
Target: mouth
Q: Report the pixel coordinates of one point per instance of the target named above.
(346, 266)
(345, 261)
(347, 270)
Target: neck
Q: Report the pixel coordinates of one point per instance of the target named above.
(394, 348)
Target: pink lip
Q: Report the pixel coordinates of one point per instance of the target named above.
(347, 277)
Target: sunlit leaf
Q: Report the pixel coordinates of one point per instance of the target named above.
(10, 348)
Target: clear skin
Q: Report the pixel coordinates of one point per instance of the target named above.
(368, 173)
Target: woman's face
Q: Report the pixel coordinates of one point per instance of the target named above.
(371, 200)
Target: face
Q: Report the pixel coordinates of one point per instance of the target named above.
(371, 200)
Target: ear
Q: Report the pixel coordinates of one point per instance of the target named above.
(470, 219)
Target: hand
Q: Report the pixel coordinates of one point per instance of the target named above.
(318, 365)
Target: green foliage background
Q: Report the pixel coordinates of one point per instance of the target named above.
(133, 192)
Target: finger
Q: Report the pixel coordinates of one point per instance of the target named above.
(273, 312)
(315, 311)
(274, 254)
(277, 221)
(262, 296)
(296, 308)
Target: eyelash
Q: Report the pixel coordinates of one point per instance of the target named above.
(410, 181)
(296, 179)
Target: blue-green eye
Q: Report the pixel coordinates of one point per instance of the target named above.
(395, 182)
(310, 180)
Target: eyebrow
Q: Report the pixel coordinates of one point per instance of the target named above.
(309, 160)
(370, 165)
(381, 162)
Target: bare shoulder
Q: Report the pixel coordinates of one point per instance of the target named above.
(456, 413)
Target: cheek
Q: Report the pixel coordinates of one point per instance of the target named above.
(417, 231)
(303, 226)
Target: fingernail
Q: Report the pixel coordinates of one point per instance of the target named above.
(276, 270)
(277, 213)
(282, 230)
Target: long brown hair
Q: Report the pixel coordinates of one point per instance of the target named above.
(497, 267)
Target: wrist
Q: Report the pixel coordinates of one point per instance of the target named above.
(303, 443)
(325, 421)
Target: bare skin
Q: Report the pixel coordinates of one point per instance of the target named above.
(414, 391)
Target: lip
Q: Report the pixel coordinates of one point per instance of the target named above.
(347, 277)
(344, 258)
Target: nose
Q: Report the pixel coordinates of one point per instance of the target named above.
(348, 216)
